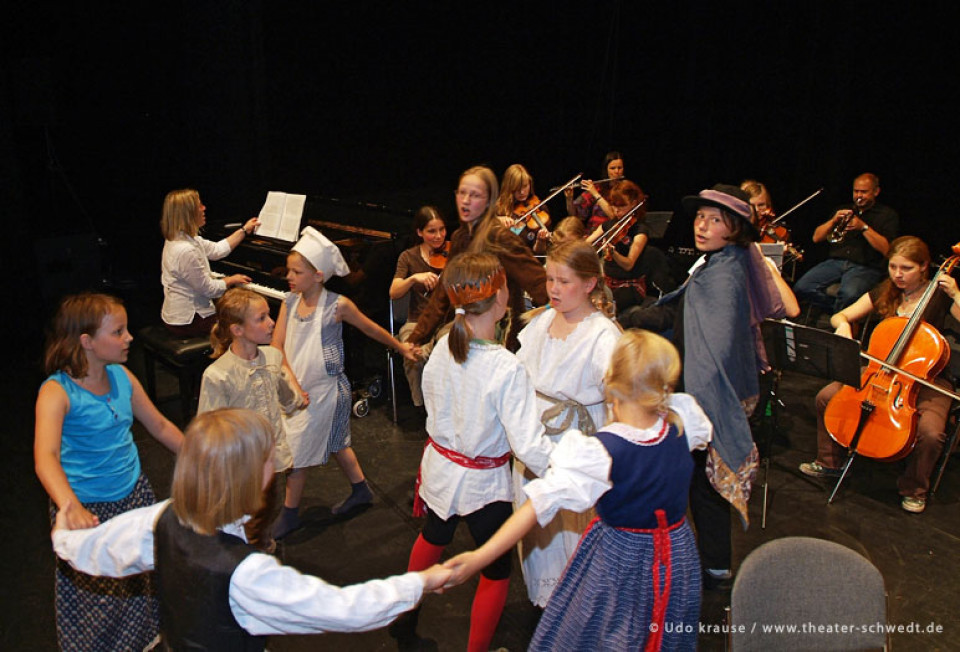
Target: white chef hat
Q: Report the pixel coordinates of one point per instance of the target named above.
(322, 254)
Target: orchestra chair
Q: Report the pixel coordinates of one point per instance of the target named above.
(951, 331)
(801, 580)
(396, 317)
(186, 358)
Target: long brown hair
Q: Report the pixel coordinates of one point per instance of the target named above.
(468, 270)
(513, 180)
(913, 249)
(77, 315)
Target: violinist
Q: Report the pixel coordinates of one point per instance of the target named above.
(908, 267)
(569, 228)
(760, 203)
(418, 273)
(516, 199)
(593, 205)
(481, 231)
(623, 270)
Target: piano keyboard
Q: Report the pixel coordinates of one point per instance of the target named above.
(262, 290)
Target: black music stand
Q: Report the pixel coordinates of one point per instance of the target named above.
(805, 350)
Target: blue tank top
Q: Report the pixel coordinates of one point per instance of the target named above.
(97, 452)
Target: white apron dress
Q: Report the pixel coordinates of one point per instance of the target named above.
(571, 368)
(314, 349)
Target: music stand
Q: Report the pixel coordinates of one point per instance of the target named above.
(805, 350)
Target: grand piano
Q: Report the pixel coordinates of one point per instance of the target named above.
(370, 237)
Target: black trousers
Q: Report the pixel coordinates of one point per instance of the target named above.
(711, 517)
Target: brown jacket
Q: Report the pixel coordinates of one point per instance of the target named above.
(524, 273)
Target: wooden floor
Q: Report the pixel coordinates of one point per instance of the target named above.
(917, 554)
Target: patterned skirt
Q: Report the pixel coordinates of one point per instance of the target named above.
(104, 613)
(605, 599)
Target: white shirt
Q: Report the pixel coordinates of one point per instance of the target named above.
(571, 368)
(484, 407)
(260, 385)
(579, 472)
(265, 596)
(188, 286)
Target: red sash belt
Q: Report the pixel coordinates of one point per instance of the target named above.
(661, 560)
(419, 507)
(640, 284)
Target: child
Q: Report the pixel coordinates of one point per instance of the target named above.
(637, 566)
(417, 277)
(569, 228)
(309, 333)
(217, 592)
(566, 350)
(481, 231)
(717, 313)
(85, 456)
(249, 373)
(517, 197)
(481, 407)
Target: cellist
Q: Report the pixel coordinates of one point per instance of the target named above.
(908, 268)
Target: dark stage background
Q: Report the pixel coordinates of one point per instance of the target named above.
(104, 111)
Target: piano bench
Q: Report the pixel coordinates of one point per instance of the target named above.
(186, 358)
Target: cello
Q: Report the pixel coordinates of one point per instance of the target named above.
(879, 420)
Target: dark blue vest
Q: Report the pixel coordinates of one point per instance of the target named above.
(193, 574)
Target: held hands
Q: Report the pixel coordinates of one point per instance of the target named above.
(74, 517)
(409, 351)
(462, 567)
(435, 579)
(427, 279)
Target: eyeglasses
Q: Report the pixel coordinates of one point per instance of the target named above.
(469, 194)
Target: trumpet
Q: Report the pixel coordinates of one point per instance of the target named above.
(839, 232)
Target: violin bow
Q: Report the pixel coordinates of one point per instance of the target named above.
(796, 206)
(533, 211)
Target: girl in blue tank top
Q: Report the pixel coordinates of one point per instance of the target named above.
(85, 455)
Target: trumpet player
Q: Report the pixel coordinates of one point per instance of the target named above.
(858, 236)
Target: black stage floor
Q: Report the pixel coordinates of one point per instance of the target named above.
(917, 554)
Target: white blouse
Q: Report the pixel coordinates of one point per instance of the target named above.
(188, 285)
(579, 472)
(265, 596)
(484, 407)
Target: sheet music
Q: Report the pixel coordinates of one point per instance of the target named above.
(280, 216)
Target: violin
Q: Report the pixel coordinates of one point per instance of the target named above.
(879, 420)
(438, 257)
(530, 214)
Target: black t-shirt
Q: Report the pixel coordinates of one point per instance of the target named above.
(855, 248)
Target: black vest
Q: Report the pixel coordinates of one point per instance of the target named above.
(193, 574)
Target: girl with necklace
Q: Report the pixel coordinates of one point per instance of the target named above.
(908, 266)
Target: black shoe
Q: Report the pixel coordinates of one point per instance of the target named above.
(713, 582)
